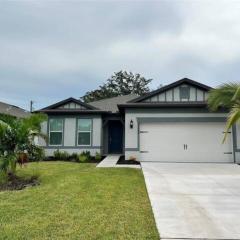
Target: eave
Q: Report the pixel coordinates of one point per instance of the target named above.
(70, 111)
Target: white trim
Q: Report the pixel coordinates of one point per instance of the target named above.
(49, 133)
(90, 132)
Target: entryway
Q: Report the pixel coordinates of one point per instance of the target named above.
(115, 137)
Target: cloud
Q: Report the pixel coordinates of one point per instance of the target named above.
(52, 50)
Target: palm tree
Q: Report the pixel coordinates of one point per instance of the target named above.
(226, 96)
(17, 136)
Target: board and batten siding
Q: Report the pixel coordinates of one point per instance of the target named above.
(132, 134)
(173, 95)
(70, 136)
(71, 105)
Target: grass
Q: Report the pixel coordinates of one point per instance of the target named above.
(78, 201)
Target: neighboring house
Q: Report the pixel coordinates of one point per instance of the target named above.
(13, 110)
(171, 124)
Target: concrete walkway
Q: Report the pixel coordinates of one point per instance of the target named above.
(109, 161)
(194, 201)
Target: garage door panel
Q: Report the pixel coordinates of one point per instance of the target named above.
(184, 142)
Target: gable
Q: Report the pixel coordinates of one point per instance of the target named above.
(184, 90)
(71, 105)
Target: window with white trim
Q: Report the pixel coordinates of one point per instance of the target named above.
(84, 132)
(55, 131)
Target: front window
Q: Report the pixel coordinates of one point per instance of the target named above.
(55, 131)
(84, 128)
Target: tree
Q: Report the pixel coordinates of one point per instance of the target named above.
(226, 96)
(17, 136)
(121, 83)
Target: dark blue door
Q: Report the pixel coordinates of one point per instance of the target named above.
(115, 137)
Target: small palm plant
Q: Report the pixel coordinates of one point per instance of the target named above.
(226, 96)
(17, 137)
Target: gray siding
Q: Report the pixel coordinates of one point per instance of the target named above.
(69, 132)
(237, 157)
(70, 135)
(173, 95)
(237, 150)
(238, 136)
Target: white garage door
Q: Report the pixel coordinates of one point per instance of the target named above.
(184, 142)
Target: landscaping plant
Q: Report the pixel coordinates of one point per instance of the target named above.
(98, 157)
(74, 156)
(17, 139)
(226, 96)
(61, 155)
(84, 156)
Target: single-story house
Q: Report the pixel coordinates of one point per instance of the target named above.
(12, 110)
(171, 124)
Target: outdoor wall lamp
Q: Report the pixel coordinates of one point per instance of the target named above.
(131, 124)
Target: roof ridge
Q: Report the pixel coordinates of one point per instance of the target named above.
(112, 97)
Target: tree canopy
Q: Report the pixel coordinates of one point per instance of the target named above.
(119, 84)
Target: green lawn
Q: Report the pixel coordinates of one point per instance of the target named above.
(78, 201)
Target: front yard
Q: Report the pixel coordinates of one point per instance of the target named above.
(78, 201)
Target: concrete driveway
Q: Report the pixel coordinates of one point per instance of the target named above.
(198, 201)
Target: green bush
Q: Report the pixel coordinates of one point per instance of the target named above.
(60, 155)
(98, 156)
(84, 156)
(57, 154)
(74, 156)
(8, 163)
(36, 153)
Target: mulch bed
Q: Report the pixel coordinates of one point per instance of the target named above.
(92, 160)
(18, 183)
(130, 162)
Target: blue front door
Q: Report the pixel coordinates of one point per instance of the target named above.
(115, 137)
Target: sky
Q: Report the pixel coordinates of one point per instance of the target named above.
(52, 50)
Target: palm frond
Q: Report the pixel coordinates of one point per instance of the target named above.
(236, 96)
(233, 118)
(3, 124)
(223, 96)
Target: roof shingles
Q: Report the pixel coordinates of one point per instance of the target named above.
(13, 110)
(111, 104)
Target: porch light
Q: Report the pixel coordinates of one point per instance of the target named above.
(131, 124)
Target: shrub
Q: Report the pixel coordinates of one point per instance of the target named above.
(98, 156)
(36, 153)
(8, 163)
(65, 155)
(74, 156)
(59, 155)
(84, 156)
(16, 137)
